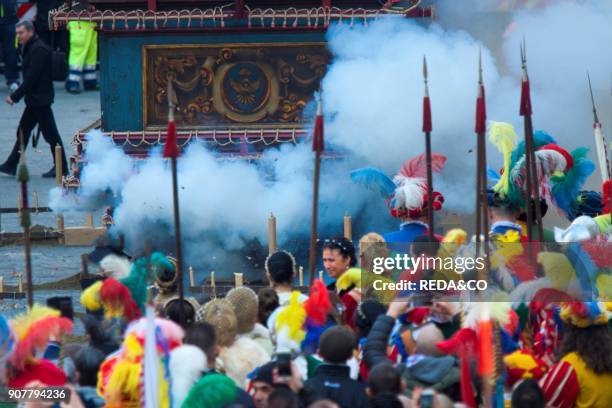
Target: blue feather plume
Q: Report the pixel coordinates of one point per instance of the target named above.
(540, 138)
(374, 179)
(566, 189)
(492, 177)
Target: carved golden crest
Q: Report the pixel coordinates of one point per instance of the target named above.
(241, 84)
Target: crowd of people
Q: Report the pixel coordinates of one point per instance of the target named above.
(542, 337)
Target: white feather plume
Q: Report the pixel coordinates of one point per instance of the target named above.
(115, 266)
(409, 192)
(187, 363)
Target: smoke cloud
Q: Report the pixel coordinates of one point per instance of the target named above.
(372, 96)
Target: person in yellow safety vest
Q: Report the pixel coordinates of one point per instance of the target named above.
(82, 56)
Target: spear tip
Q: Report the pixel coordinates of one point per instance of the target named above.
(480, 66)
(425, 67)
(595, 118)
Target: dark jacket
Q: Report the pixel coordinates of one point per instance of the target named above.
(439, 373)
(333, 382)
(37, 86)
(375, 349)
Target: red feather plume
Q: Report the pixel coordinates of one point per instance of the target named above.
(37, 338)
(318, 304)
(606, 196)
(116, 295)
(417, 166)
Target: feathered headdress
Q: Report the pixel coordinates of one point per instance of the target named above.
(7, 345)
(121, 374)
(318, 305)
(585, 314)
(290, 324)
(406, 193)
(560, 175)
(33, 330)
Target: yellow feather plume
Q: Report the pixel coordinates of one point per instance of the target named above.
(90, 298)
(352, 277)
(292, 317)
(124, 382)
(557, 269)
(503, 136)
(21, 324)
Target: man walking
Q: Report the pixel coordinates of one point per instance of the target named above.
(37, 87)
(7, 42)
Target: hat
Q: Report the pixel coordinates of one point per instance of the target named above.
(220, 314)
(106, 245)
(244, 301)
(406, 193)
(43, 371)
(522, 364)
(263, 373)
(585, 314)
(560, 174)
(212, 391)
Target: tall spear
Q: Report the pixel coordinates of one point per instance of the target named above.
(531, 165)
(23, 177)
(317, 146)
(482, 205)
(600, 140)
(171, 151)
(427, 128)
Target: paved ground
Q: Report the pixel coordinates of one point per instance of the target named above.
(72, 112)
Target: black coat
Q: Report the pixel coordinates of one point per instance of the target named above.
(334, 382)
(37, 86)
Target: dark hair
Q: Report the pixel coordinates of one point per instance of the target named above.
(283, 397)
(267, 302)
(281, 267)
(384, 377)
(336, 344)
(528, 394)
(425, 245)
(202, 335)
(27, 24)
(385, 400)
(543, 210)
(87, 363)
(366, 314)
(344, 246)
(63, 304)
(593, 344)
(172, 311)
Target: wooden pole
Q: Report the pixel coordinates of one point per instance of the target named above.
(427, 128)
(1, 284)
(23, 177)
(177, 238)
(317, 146)
(530, 164)
(84, 266)
(348, 227)
(58, 165)
(20, 286)
(272, 234)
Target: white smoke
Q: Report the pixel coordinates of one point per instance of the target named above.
(372, 98)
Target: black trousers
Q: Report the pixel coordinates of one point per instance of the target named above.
(43, 116)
